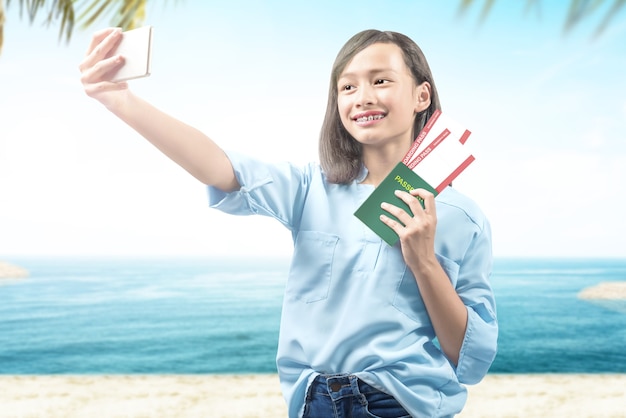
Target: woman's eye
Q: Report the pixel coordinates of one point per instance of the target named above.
(347, 87)
(380, 81)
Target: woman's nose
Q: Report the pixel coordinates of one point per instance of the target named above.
(365, 96)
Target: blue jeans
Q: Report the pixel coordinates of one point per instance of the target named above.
(345, 396)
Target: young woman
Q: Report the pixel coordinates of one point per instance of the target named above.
(367, 329)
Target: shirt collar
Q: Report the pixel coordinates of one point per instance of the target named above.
(362, 174)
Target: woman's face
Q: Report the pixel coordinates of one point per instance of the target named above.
(377, 97)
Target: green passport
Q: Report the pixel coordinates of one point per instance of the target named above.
(400, 178)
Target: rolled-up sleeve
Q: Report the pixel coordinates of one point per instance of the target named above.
(480, 343)
(266, 189)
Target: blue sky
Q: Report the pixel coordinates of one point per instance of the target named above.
(547, 112)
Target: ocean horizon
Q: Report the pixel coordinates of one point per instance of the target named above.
(221, 316)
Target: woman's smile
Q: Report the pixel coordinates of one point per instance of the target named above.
(370, 118)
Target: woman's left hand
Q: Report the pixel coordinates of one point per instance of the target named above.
(445, 308)
(417, 229)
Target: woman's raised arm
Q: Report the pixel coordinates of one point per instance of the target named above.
(185, 145)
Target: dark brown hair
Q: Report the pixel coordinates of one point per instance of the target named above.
(340, 154)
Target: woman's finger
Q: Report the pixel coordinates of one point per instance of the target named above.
(102, 35)
(399, 213)
(411, 200)
(395, 225)
(97, 72)
(102, 42)
(427, 199)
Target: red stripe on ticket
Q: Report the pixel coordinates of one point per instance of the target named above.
(454, 174)
(429, 148)
(420, 138)
(464, 137)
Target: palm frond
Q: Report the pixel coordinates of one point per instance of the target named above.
(58, 9)
(466, 4)
(613, 11)
(2, 19)
(533, 4)
(99, 7)
(579, 10)
(63, 10)
(127, 14)
(583, 9)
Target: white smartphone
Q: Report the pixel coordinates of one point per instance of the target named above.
(136, 48)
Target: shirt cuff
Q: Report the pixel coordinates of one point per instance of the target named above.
(479, 345)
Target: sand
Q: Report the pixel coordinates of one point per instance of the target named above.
(216, 396)
(548, 395)
(141, 396)
(501, 396)
(10, 271)
(605, 291)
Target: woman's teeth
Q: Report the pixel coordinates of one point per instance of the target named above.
(370, 118)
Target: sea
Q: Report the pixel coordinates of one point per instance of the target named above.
(221, 316)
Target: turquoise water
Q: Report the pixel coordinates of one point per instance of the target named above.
(222, 316)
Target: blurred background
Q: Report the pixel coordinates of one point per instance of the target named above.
(540, 84)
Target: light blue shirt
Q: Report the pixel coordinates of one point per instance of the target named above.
(352, 306)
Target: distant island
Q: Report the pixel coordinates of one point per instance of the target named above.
(9, 271)
(605, 291)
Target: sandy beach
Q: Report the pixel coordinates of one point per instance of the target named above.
(498, 396)
(10, 271)
(605, 291)
(216, 396)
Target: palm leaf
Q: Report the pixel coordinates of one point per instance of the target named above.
(2, 19)
(530, 4)
(617, 5)
(127, 14)
(65, 10)
(583, 9)
(466, 4)
(578, 11)
(58, 9)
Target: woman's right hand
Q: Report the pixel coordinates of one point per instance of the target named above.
(97, 68)
(185, 145)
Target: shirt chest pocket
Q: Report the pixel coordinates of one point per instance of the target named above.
(408, 299)
(311, 268)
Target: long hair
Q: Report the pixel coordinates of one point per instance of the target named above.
(340, 154)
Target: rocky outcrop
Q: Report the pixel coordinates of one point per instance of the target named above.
(9, 271)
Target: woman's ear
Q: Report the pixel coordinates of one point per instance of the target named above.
(422, 97)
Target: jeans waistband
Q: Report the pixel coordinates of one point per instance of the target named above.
(340, 385)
